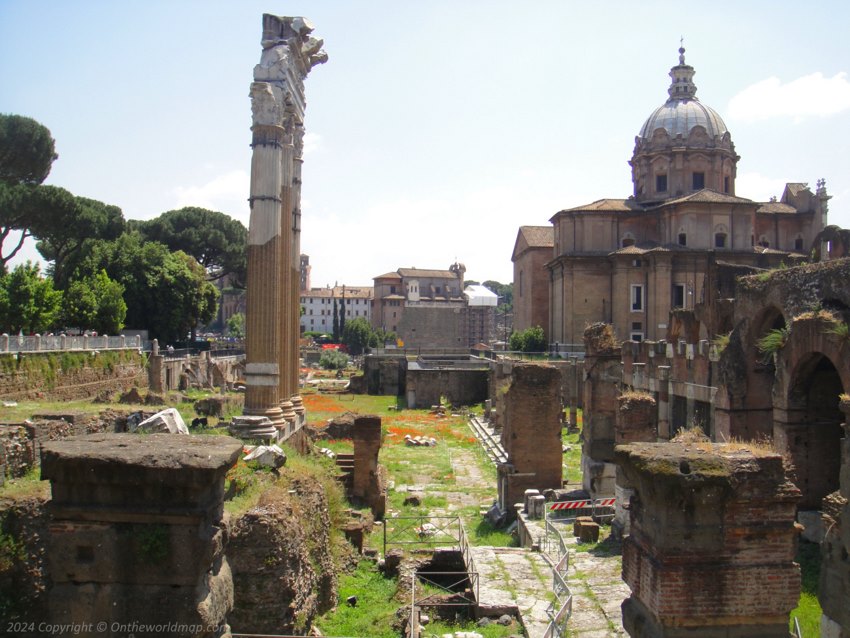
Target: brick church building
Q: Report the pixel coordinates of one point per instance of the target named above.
(631, 261)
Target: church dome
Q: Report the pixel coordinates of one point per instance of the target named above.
(683, 111)
(683, 146)
(679, 117)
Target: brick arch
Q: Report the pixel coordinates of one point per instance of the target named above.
(812, 369)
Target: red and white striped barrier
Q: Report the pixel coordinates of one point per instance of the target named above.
(577, 505)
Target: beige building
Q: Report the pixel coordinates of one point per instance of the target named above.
(318, 305)
(532, 251)
(432, 308)
(630, 261)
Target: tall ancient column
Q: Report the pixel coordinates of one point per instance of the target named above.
(262, 370)
(295, 270)
(278, 104)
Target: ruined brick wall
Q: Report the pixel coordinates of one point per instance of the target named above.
(432, 326)
(17, 452)
(834, 587)
(280, 554)
(23, 578)
(72, 375)
(384, 374)
(531, 432)
(712, 543)
(461, 387)
(636, 418)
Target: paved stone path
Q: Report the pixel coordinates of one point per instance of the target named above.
(594, 578)
(514, 580)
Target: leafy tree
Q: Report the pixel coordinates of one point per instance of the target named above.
(236, 325)
(28, 302)
(358, 335)
(65, 226)
(111, 307)
(166, 292)
(336, 334)
(505, 292)
(528, 340)
(342, 313)
(27, 150)
(79, 304)
(216, 241)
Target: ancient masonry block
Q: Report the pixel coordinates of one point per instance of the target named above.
(834, 589)
(712, 543)
(531, 433)
(368, 485)
(137, 533)
(637, 422)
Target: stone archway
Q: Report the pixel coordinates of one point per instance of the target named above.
(812, 372)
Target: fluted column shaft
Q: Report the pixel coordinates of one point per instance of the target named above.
(262, 369)
(295, 269)
(287, 340)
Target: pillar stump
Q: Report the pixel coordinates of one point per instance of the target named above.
(137, 535)
(367, 484)
(712, 543)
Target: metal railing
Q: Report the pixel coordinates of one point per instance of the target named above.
(492, 447)
(59, 343)
(561, 609)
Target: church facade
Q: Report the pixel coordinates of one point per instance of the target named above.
(630, 261)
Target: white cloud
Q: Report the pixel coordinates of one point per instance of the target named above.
(227, 193)
(808, 96)
(758, 187)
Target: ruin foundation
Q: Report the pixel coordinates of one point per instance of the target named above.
(712, 543)
(137, 534)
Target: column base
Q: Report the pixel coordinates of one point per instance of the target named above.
(253, 427)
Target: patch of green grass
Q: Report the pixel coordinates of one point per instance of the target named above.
(808, 611)
(375, 610)
(572, 459)
(484, 534)
(28, 486)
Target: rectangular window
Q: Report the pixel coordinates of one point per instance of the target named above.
(720, 240)
(636, 333)
(726, 184)
(660, 183)
(699, 181)
(678, 300)
(637, 298)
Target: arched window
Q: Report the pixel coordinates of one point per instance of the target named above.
(628, 240)
(798, 243)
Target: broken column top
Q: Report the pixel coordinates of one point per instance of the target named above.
(153, 456)
(600, 339)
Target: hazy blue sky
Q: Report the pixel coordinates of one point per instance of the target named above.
(436, 128)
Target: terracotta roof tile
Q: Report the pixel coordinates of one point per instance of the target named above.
(775, 207)
(538, 236)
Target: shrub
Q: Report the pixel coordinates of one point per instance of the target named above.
(333, 360)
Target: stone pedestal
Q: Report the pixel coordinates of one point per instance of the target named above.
(253, 428)
(712, 543)
(137, 533)
(367, 484)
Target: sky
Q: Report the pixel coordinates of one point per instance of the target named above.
(436, 129)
